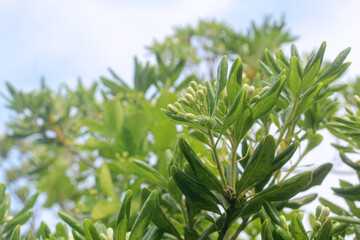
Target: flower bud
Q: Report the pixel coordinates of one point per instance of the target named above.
(201, 95)
(357, 100)
(250, 92)
(177, 105)
(110, 233)
(191, 91)
(190, 116)
(349, 110)
(208, 122)
(316, 226)
(185, 102)
(255, 99)
(189, 98)
(212, 123)
(103, 236)
(301, 215)
(324, 214)
(318, 211)
(264, 90)
(194, 85)
(172, 108)
(283, 222)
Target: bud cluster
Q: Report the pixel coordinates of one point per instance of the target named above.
(193, 105)
(350, 113)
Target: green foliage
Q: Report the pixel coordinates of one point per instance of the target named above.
(119, 169)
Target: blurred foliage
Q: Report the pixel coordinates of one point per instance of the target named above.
(110, 159)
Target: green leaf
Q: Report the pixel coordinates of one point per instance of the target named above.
(319, 174)
(124, 211)
(113, 116)
(154, 234)
(146, 171)
(72, 222)
(282, 158)
(16, 233)
(199, 195)
(61, 231)
(19, 220)
(351, 193)
(104, 209)
(235, 77)
(345, 219)
(308, 99)
(274, 66)
(297, 228)
(272, 212)
(284, 234)
(283, 191)
(90, 230)
(106, 182)
(325, 230)
(299, 202)
(200, 137)
(265, 231)
(202, 173)
(29, 204)
(314, 141)
(210, 97)
(145, 216)
(268, 100)
(221, 79)
(335, 65)
(174, 191)
(258, 165)
(159, 218)
(333, 207)
(236, 109)
(44, 230)
(313, 67)
(244, 123)
(294, 78)
(348, 162)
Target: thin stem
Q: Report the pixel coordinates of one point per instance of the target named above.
(233, 166)
(240, 228)
(216, 158)
(295, 165)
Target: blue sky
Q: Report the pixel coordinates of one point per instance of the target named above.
(64, 40)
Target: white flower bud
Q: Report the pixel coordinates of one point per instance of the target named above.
(172, 108)
(194, 85)
(201, 95)
(318, 211)
(250, 92)
(189, 98)
(264, 90)
(191, 91)
(324, 214)
(190, 116)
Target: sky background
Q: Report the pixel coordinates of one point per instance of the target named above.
(64, 40)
